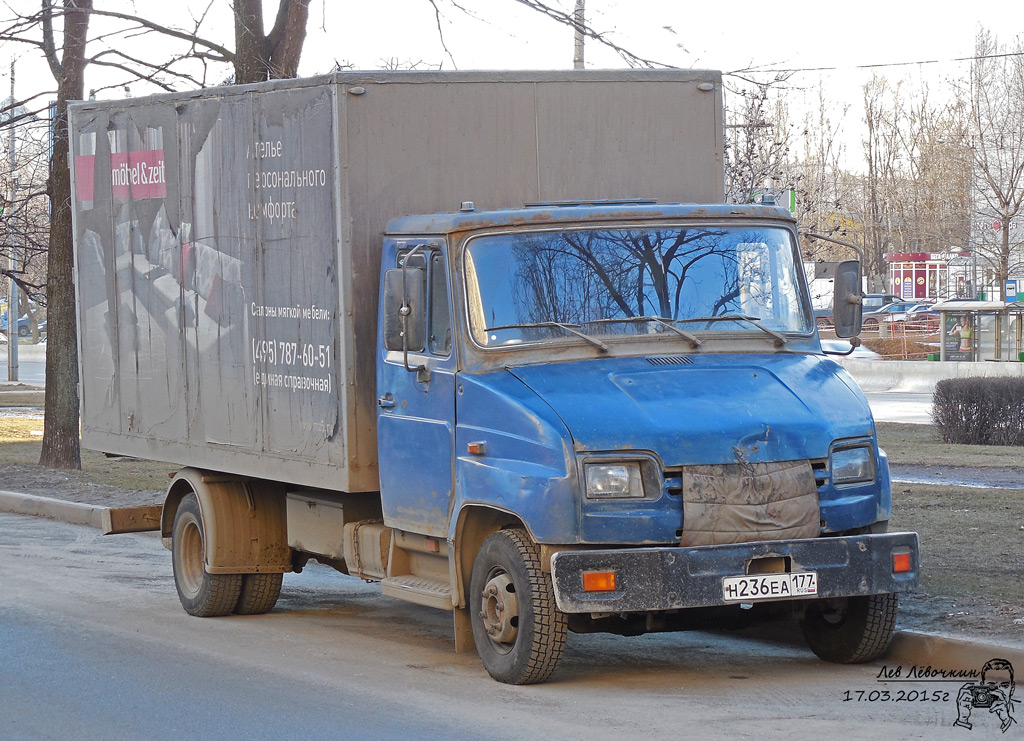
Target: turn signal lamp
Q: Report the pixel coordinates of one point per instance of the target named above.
(598, 581)
(900, 563)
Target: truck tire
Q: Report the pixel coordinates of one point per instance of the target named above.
(851, 630)
(519, 632)
(259, 593)
(202, 594)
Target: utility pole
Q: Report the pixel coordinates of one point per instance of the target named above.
(577, 22)
(13, 312)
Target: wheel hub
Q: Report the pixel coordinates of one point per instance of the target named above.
(191, 559)
(500, 609)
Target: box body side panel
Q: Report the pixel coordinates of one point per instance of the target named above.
(228, 242)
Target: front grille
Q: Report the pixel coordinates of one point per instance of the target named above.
(671, 360)
(674, 482)
(820, 469)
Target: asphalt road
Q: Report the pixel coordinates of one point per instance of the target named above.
(28, 372)
(93, 644)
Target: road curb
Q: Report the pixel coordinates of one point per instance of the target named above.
(940, 652)
(56, 509)
(907, 648)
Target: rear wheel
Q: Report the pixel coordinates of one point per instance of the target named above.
(202, 594)
(519, 632)
(850, 630)
(259, 593)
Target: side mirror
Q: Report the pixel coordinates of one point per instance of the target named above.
(405, 318)
(847, 305)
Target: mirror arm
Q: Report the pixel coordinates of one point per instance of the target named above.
(858, 297)
(855, 342)
(421, 371)
(841, 243)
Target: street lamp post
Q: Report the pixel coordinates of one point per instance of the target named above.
(13, 312)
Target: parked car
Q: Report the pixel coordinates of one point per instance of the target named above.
(923, 318)
(24, 327)
(872, 301)
(894, 313)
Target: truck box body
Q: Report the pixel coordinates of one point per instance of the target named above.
(228, 241)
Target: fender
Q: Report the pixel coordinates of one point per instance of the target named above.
(244, 521)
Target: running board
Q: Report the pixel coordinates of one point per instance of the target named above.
(418, 589)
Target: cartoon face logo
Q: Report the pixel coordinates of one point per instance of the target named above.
(993, 693)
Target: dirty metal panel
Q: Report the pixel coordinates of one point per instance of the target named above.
(675, 578)
(294, 310)
(207, 256)
(639, 139)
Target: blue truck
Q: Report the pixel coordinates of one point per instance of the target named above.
(417, 327)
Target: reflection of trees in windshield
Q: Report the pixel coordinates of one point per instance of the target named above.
(576, 277)
(584, 276)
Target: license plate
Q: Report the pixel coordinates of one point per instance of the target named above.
(769, 586)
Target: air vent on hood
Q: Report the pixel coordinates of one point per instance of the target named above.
(671, 360)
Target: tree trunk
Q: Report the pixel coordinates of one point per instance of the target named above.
(250, 42)
(61, 443)
(260, 57)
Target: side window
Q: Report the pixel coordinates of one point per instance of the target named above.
(440, 341)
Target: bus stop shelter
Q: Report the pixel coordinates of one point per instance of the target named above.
(973, 330)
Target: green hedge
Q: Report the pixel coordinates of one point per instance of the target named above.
(980, 411)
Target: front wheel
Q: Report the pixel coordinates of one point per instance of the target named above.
(850, 630)
(202, 594)
(519, 632)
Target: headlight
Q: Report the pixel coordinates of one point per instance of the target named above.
(614, 481)
(852, 465)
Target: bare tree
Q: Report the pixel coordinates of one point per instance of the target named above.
(259, 56)
(758, 141)
(25, 227)
(996, 110)
(883, 118)
(822, 198)
(61, 444)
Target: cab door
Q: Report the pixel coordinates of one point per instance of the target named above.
(416, 388)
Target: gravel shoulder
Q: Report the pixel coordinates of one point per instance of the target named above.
(972, 537)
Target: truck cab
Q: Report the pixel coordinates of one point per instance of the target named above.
(624, 407)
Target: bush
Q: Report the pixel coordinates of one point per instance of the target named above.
(980, 411)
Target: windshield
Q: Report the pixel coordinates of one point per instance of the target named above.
(540, 286)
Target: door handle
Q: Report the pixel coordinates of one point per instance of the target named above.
(386, 402)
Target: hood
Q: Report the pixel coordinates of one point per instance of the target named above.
(704, 409)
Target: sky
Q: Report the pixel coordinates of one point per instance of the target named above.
(839, 48)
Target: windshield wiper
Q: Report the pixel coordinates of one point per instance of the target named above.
(755, 320)
(695, 341)
(570, 328)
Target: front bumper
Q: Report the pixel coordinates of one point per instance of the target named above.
(670, 578)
